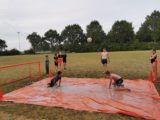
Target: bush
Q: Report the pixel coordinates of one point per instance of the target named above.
(30, 51)
(10, 52)
(133, 46)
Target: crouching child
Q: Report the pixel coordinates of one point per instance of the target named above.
(56, 79)
(116, 81)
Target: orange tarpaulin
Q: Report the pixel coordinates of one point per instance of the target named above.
(93, 95)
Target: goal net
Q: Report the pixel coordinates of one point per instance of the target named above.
(17, 72)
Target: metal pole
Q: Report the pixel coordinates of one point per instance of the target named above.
(19, 41)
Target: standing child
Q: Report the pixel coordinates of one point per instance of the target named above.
(105, 59)
(60, 60)
(47, 64)
(55, 79)
(153, 60)
(56, 61)
(64, 59)
(117, 81)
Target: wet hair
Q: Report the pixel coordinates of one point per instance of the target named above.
(107, 73)
(59, 72)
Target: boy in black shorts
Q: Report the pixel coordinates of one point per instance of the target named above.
(56, 61)
(118, 81)
(56, 79)
(64, 56)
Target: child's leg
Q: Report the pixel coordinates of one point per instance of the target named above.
(104, 63)
(60, 66)
(105, 67)
(64, 64)
(51, 84)
(47, 69)
(55, 82)
(56, 66)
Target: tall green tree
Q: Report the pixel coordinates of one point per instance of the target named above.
(73, 38)
(3, 44)
(35, 40)
(53, 38)
(121, 32)
(43, 45)
(96, 32)
(150, 29)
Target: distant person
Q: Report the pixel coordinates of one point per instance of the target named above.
(104, 59)
(56, 79)
(60, 60)
(56, 61)
(153, 60)
(116, 81)
(47, 64)
(64, 56)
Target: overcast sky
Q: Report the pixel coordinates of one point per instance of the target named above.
(27, 16)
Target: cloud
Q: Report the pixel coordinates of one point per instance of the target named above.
(26, 16)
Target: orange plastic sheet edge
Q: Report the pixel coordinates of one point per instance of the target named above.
(93, 95)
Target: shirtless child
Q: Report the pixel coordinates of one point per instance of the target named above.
(117, 81)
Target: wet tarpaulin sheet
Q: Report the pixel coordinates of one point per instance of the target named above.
(93, 95)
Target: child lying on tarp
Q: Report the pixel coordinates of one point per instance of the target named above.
(55, 79)
(118, 81)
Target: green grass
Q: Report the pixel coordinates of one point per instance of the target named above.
(130, 65)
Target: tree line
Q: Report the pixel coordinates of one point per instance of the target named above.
(3, 50)
(120, 37)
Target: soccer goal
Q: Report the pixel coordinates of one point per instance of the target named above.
(17, 72)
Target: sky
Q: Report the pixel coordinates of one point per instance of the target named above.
(27, 16)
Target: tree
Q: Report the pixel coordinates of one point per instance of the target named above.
(95, 31)
(35, 40)
(150, 29)
(53, 38)
(2, 45)
(121, 32)
(73, 38)
(43, 45)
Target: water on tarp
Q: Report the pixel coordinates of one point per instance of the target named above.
(93, 95)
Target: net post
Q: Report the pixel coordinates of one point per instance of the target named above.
(50, 71)
(1, 95)
(150, 76)
(153, 75)
(39, 70)
(30, 73)
(155, 71)
(50, 74)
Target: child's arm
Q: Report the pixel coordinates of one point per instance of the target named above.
(110, 82)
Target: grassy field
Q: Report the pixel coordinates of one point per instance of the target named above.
(131, 65)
